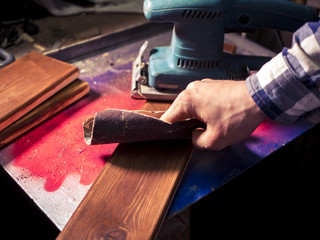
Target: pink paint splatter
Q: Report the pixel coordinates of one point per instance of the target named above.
(270, 136)
(264, 128)
(56, 148)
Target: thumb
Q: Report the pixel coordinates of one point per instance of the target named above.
(207, 139)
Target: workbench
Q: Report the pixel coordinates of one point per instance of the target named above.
(54, 166)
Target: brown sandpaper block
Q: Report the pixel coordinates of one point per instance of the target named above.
(29, 81)
(121, 126)
(54, 104)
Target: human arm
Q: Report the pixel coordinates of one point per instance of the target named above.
(287, 88)
(231, 112)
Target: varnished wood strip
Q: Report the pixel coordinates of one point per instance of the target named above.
(130, 198)
(54, 104)
(28, 82)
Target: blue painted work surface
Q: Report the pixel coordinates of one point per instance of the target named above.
(209, 170)
(55, 167)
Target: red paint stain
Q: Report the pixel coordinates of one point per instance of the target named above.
(264, 128)
(56, 148)
(270, 136)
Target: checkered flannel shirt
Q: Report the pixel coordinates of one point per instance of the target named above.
(287, 88)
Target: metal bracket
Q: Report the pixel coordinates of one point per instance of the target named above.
(139, 73)
(139, 85)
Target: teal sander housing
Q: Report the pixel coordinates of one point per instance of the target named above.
(196, 49)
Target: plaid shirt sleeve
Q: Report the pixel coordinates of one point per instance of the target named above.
(287, 88)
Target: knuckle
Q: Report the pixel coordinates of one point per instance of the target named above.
(186, 96)
(184, 101)
(207, 80)
(194, 84)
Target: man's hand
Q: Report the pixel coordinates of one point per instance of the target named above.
(225, 106)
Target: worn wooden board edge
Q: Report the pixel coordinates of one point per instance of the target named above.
(95, 217)
(81, 226)
(68, 95)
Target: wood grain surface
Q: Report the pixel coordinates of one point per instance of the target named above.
(130, 198)
(29, 81)
(54, 104)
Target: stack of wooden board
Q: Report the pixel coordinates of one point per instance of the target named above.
(34, 88)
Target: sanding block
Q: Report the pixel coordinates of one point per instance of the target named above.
(121, 126)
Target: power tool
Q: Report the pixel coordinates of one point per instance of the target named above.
(196, 48)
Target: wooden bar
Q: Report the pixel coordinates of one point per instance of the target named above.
(130, 198)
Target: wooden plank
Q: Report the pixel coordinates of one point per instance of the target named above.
(130, 198)
(28, 82)
(54, 104)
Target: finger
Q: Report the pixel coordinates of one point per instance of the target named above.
(175, 113)
(199, 138)
(207, 139)
(181, 108)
